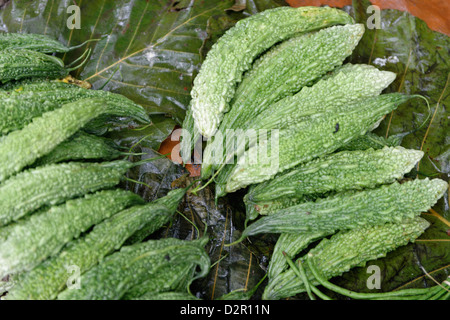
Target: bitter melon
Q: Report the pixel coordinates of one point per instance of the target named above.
(345, 85)
(320, 134)
(160, 218)
(81, 146)
(292, 244)
(254, 209)
(19, 108)
(336, 172)
(36, 42)
(46, 232)
(171, 278)
(371, 140)
(25, 85)
(17, 64)
(352, 209)
(23, 147)
(53, 184)
(349, 83)
(346, 250)
(49, 278)
(235, 51)
(283, 71)
(122, 270)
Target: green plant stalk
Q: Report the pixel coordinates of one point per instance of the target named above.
(412, 293)
(301, 274)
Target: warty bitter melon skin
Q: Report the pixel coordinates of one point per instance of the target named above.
(32, 85)
(46, 232)
(17, 64)
(187, 144)
(81, 146)
(36, 42)
(263, 208)
(320, 134)
(351, 82)
(292, 244)
(371, 140)
(346, 250)
(19, 108)
(122, 270)
(49, 278)
(171, 278)
(352, 209)
(340, 171)
(283, 71)
(23, 147)
(159, 218)
(235, 51)
(347, 84)
(53, 184)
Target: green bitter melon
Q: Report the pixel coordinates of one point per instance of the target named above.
(23, 147)
(352, 209)
(46, 232)
(235, 51)
(320, 133)
(49, 278)
(18, 109)
(171, 278)
(36, 42)
(283, 71)
(18, 64)
(347, 84)
(121, 271)
(346, 250)
(53, 184)
(82, 146)
(336, 172)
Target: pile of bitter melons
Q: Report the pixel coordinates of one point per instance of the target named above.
(67, 231)
(326, 175)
